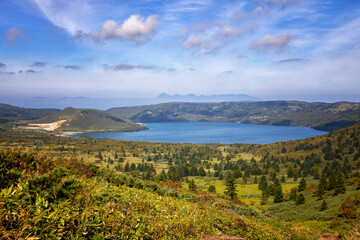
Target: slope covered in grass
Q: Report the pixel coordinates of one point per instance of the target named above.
(64, 198)
(10, 113)
(90, 120)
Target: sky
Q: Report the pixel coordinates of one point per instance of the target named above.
(56, 52)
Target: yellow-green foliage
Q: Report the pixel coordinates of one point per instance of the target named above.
(65, 198)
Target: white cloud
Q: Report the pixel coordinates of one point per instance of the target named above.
(227, 32)
(342, 39)
(71, 15)
(198, 45)
(272, 42)
(135, 28)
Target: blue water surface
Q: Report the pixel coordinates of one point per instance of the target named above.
(210, 132)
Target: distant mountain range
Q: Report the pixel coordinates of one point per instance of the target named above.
(321, 116)
(202, 98)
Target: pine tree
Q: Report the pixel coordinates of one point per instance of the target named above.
(127, 167)
(332, 182)
(100, 156)
(293, 194)
(322, 186)
(263, 184)
(290, 172)
(192, 185)
(283, 179)
(323, 206)
(340, 187)
(230, 188)
(162, 176)
(278, 194)
(295, 177)
(300, 199)
(264, 197)
(302, 185)
(202, 172)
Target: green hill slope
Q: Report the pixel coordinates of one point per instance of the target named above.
(90, 120)
(10, 113)
(321, 116)
(67, 199)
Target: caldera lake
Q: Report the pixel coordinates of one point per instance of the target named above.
(210, 132)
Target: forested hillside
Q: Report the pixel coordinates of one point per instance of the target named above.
(321, 116)
(10, 113)
(89, 120)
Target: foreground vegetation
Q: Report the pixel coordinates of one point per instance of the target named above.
(65, 198)
(298, 189)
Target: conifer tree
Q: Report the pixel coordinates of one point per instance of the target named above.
(322, 186)
(323, 206)
(332, 182)
(295, 177)
(302, 185)
(278, 194)
(263, 184)
(162, 176)
(230, 188)
(192, 185)
(264, 197)
(300, 199)
(202, 172)
(340, 187)
(127, 167)
(283, 179)
(293, 194)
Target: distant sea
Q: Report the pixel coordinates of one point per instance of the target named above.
(210, 132)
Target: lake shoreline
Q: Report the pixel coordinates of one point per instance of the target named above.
(211, 132)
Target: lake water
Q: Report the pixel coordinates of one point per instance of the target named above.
(210, 132)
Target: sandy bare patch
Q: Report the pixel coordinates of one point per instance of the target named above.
(45, 126)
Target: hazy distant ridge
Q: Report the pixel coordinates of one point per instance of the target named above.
(203, 98)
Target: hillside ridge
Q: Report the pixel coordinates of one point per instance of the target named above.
(9, 113)
(89, 120)
(317, 115)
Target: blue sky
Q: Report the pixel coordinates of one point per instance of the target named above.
(273, 49)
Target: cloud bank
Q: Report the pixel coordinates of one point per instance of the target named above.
(126, 67)
(38, 64)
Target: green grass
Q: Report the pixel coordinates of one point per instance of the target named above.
(289, 211)
(64, 198)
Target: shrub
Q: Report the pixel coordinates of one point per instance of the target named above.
(348, 209)
(212, 189)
